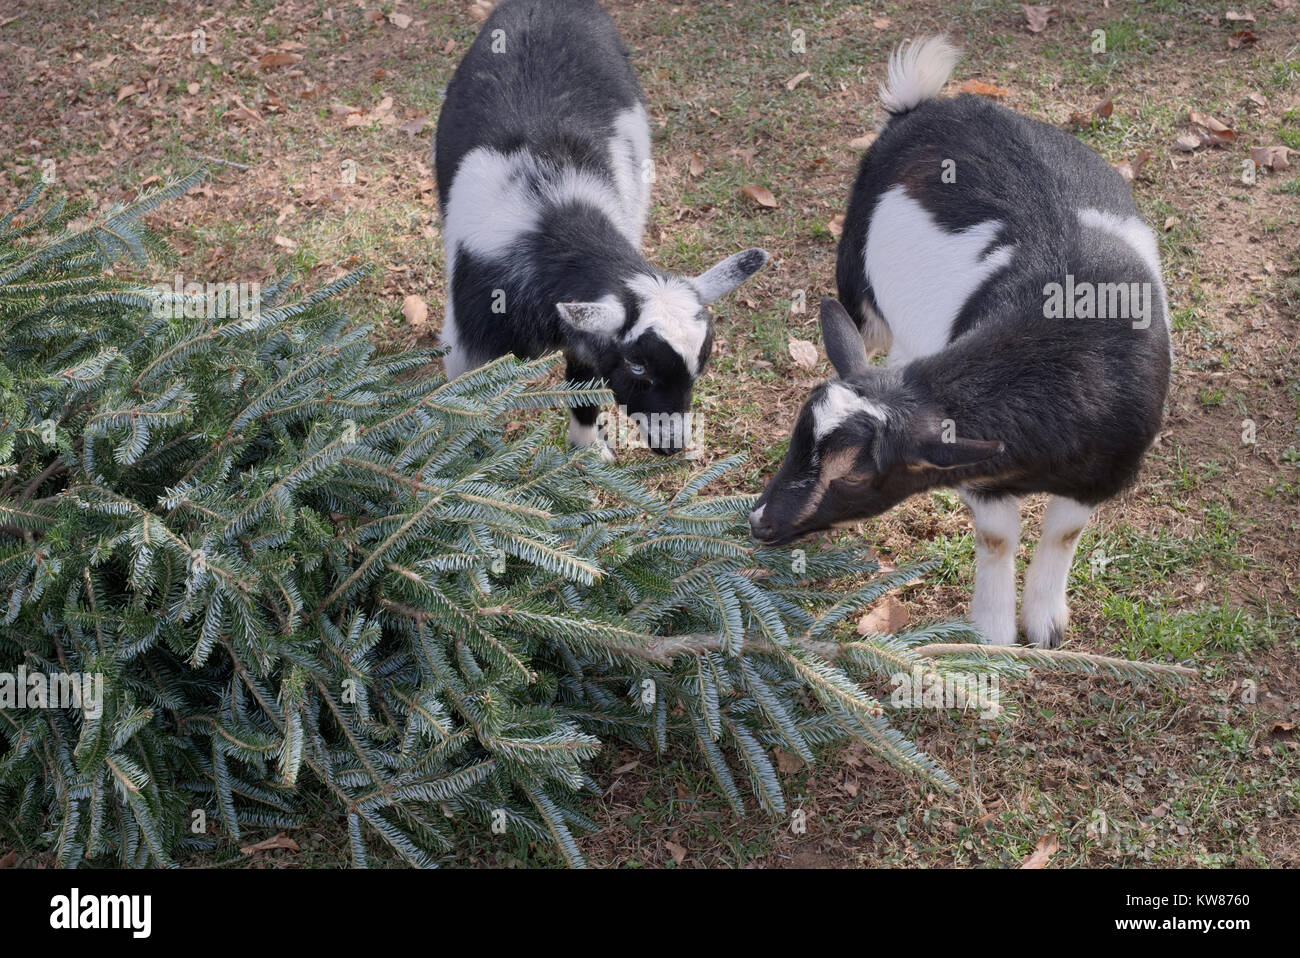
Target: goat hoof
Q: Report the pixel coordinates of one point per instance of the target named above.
(1048, 638)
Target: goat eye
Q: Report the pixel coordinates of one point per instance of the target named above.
(636, 369)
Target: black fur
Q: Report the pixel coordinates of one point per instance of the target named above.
(1074, 403)
(554, 95)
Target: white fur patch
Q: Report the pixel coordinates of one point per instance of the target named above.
(629, 153)
(997, 537)
(837, 404)
(922, 274)
(1045, 609)
(1130, 229)
(917, 71)
(671, 308)
(494, 201)
(1138, 236)
(455, 362)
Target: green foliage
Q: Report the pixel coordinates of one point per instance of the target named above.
(313, 574)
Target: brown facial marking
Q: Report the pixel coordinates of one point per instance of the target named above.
(835, 466)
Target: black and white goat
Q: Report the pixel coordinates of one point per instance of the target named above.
(1005, 267)
(543, 162)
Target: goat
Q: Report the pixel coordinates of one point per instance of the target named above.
(1006, 269)
(542, 152)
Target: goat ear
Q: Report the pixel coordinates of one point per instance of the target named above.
(938, 454)
(844, 346)
(597, 319)
(727, 275)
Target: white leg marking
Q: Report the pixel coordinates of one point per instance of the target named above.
(583, 435)
(455, 362)
(997, 536)
(1045, 612)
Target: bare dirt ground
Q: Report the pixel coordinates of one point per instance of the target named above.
(316, 119)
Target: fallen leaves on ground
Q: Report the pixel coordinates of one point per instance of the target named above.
(887, 617)
(983, 89)
(270, 844)
(1047, 847)
(1206, 131)
(1271, 157)
(803, 353)
(1037, 18)
(415, 311)
(1082, 121)
(760, 195)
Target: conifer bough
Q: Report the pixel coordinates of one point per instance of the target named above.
(311, 574)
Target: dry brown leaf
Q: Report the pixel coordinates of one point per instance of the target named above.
(795, 80)
(1277, 729)
(129, 90)
(284, 242)
(414, 126)
(983, 89)
(760, 195)
(399, 20)
(836, 225)
(880, 23)
(624, 769)
(449, 46)
(1081, 121)
(415, 311)
(480, 10)
(787, 762)
(279, 841)
(677, 851)
(697, 165)
(1047, 847)
(886, 617)
(862, 142)
(1246, 17)
(8, 860)
(1242, 38)
(1037, 18)
(1211, 123)
(1271, 157)
(803, 353)
(279, 58)
(1171, 222)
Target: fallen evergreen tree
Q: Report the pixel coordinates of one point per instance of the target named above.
(302, 566)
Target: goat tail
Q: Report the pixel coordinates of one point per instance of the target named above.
(917, 72)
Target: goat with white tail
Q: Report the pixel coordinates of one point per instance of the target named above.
(1005, 268)
(543, 163)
